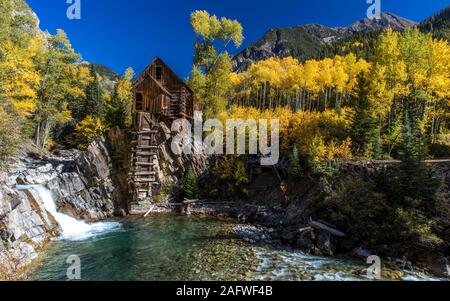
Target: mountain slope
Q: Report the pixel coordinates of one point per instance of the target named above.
(108, 78)
(308, 41)
(438, 24)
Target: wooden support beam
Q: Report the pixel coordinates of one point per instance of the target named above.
(145, 180)
(144, 173)
(145, 132)
(144, 164)
(144, 154)
(146, 147)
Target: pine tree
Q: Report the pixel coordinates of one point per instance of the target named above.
(120, 111)
(295, 171)
(364, 129)
(93, 103)
(413, 179)
(190, 185)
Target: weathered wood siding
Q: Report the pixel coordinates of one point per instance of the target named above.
(161, 91)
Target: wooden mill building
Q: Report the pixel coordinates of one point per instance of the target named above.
(159, 96)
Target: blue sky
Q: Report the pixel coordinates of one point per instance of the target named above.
(122, 33)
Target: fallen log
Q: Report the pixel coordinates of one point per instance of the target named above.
(321, 226)
(149, 211)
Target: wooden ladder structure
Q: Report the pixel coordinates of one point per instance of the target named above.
(174, 105)
(143, 172)
(178, 104)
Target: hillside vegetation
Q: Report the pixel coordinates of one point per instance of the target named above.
(47, 92)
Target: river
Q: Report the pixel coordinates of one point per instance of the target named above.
(175, 247)
(172, 247)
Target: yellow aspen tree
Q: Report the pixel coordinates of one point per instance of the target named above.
(19, 78)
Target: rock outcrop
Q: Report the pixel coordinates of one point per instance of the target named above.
(82, 184)
(171, 169)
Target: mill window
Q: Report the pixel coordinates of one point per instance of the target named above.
(158, 73)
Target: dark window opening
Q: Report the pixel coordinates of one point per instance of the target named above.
(158, 73)
(139, 102)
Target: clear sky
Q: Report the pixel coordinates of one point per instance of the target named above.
(122, 33)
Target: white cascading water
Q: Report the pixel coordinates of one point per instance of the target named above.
(71, 229)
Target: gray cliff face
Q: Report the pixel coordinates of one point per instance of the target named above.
(82, 185)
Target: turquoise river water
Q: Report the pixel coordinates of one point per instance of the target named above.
(172, 247)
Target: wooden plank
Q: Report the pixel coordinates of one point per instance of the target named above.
(146, 147)
(144, 173)
(145, 180)
(144, 132)
(144, 163)
(144, 154)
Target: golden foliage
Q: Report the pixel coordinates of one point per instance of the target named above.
(88, 130)
(302, 129)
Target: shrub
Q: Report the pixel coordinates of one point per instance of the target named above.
(190, 185)
(231, 175)
(355, 208)
(325, 157)
(370, 217)
(88, 130)
(166, 190)
(295, 170)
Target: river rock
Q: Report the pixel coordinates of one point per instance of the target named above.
(288, 236)
(252, 234)
(325, 243)
(305, 241)
(361, 252)
(439, 266)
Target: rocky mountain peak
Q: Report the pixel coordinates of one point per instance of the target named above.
(386, 20)
(306, 41)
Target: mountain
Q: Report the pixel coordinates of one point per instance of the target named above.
(108, 78)
(105, 72)
(439, 24)
(311, 40)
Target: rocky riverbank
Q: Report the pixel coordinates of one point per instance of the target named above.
(83, 185)
(91, 186)
(285, 215)
(270, 225)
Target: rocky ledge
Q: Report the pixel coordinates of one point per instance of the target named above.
(82, 185)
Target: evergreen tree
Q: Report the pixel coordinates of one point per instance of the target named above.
(190, 185)
(93, 103)
(413, 180)
(295, 170)
(364, 130)
(120, 111)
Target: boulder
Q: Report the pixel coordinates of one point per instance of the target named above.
(288, 236)
(305, 241)
(325, 243)
(120, 213)
(361, 252)
(439, 266)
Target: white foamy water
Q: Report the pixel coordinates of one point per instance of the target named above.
(71, 229)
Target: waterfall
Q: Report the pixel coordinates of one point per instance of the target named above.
(71, 229)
